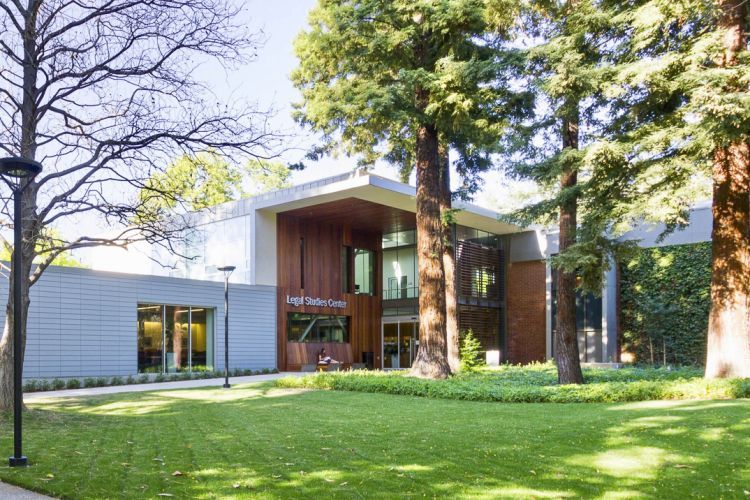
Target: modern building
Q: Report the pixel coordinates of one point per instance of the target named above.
(330, 264)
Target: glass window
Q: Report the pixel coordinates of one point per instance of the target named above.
(400, 273)
(303, 327)
(150, 338)
(364, 271)
(201, 339)
(175, 338)
(346, 271)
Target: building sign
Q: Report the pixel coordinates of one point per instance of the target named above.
(298, 300)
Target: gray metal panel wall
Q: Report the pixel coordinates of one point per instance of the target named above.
(82, 323)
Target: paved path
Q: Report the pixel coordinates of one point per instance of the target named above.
(10, 492)
(183, 384)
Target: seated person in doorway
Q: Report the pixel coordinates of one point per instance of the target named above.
(325, 359)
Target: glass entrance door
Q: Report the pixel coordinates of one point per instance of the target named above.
(400, 342)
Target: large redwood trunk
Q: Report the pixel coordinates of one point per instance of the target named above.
(728, 350)
(566, 339)
(449, 265)
(431, 360)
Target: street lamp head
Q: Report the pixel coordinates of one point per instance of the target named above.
(19, 168)
(227, 270)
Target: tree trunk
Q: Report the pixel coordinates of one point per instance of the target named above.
(449, 265)
(6, 341)
(29, 212)
(566, 339)
(431, 360)
(728, 350)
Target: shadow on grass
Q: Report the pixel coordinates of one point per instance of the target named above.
(260, 441)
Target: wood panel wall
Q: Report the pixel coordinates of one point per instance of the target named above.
(323, 247)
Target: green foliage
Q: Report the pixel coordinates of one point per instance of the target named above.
(372, 73)
(116, 381)
(535, 384)
(665, 300)
(58, 384)
(48, 241)
(197, 182)
(73, 383)
(89, 382)
(265, 176)
(471, 352)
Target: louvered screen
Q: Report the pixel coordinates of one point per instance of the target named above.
(480, 271)
(484, 323)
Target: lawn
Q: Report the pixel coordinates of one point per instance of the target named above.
(256, 440)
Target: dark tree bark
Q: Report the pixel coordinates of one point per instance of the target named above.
(431, 360)
(449, 265)
(566, 340)
(728, 350)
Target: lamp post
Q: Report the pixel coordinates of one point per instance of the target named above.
(227, 270)
(17, 172)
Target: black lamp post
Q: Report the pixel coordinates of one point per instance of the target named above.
(17, 172)
(227, 270)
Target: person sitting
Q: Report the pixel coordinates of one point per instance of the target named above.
(324, 359)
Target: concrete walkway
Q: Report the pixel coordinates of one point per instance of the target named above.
(10, 492)
(182, 384)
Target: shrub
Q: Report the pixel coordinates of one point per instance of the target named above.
(44, 385)
(534, 384)
(89, 382)
(131, 380)
(160, 377)
(101, 382)
(58, 384)
(30, 386)
(266, 371)
(143, 379)
(116, 381)
(471, 352)
(73, 383)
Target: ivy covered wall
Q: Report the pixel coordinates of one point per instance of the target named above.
(664, 304)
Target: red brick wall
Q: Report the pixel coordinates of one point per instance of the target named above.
(526, 312)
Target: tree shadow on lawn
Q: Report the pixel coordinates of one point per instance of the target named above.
(258, 441)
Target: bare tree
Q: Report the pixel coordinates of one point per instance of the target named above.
(104, 93)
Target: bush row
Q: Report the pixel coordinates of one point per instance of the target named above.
(74, 383)
(483, 388)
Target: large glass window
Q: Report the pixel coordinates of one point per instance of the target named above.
(301, 327)
(364, 271)
(150, 338)
(201, 339)
(174, 338)
(400, 273)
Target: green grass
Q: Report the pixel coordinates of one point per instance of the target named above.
(258, 441)
(535, 384)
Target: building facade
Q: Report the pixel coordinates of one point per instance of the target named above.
(330, 264)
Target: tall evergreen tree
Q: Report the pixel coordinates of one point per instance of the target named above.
(681, 110)
(564, 73)
(385, 79)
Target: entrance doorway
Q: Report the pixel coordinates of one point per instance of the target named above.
(400, 341)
